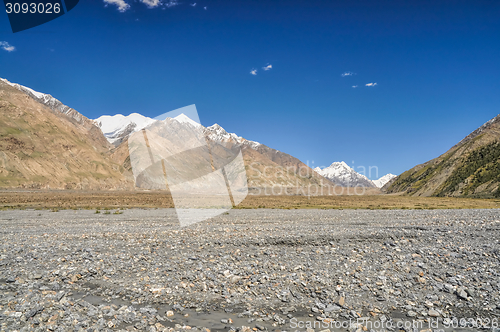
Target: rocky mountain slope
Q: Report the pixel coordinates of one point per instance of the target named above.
(470, 168)
(45, 144)
(59, 108)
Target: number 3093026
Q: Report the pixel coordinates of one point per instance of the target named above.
(33, 8)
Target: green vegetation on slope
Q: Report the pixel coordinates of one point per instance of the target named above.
(479, 167)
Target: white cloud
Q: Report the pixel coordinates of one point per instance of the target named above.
(193, 4)
(205, 7)
(371, 84)
(151, 3)
(6, 46)
(268, 67)
(253, 72)
(121, 4)
(347, 73)
(354, 86)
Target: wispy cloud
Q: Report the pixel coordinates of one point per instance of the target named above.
(347, 73)
(268, 67)
(6, 46)
(121, 4)
(193, 4)
(205, 7)
(371, 84)
(354, 86)
(253, 72)
(172, 3)
(151, 3)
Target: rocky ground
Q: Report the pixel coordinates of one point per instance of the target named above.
(250, 270)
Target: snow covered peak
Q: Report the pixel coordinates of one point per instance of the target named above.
(339, 165)
(383, 180)
(337, 168)
(343, 175)
(116, 127)
(183, 118)
(219, 134)
(111, 124)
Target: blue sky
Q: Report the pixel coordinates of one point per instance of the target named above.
(435, 65)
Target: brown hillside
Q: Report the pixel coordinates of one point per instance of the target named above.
(43, 148)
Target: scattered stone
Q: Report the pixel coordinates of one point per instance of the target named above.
(433, 313)
(461, 293)
(411, 313)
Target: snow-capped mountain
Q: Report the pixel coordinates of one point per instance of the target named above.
(117, 128)
(183, 118)
(383, 180)
(343, 175)
(219, 134)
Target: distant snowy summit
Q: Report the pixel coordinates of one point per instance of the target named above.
(383, 180)
(341, 174)
(117, 128)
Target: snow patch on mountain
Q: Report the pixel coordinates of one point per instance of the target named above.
(383, 180)
(218, 134)
(26, 89)
(115, 127)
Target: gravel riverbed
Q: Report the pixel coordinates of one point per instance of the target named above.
(250, 270)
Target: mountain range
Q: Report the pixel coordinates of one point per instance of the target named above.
(46, 144)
